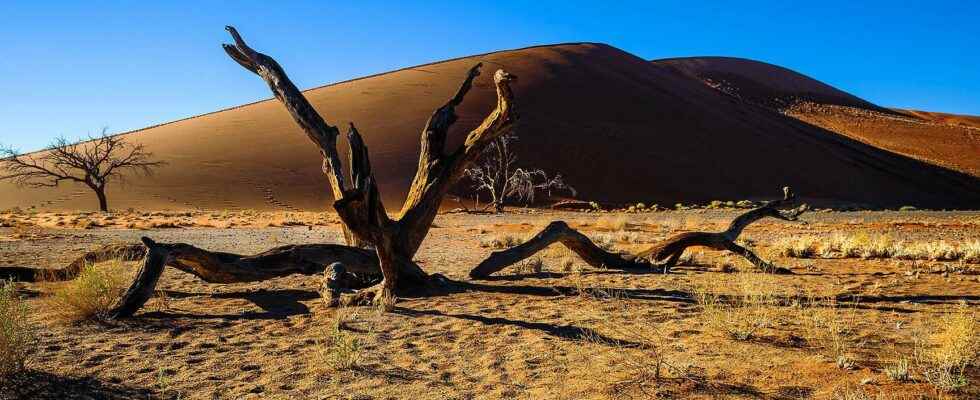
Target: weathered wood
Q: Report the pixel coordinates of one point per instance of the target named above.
(667, 251)
(124, 252)
(359, 205)
(558, 231)
(219, 267)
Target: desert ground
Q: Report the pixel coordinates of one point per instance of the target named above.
(839, 327)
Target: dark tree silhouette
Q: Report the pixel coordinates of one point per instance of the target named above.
(94, 163)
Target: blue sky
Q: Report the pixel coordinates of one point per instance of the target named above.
(71, 68)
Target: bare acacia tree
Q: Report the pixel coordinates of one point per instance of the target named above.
(94, 163)
(495, 174)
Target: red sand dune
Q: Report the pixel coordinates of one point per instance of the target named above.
(620, 128)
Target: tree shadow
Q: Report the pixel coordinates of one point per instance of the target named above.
(552, 291)
(33, 384)
(561, 331)
(275, 304)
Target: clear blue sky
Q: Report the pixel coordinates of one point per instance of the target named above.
(70, 68)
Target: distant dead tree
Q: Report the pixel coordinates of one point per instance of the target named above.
(94, 163)
(495, 174)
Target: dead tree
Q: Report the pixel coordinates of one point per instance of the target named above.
(666, 252)
(394, 241)
(494, 173)
(358, 203)
(93, 163)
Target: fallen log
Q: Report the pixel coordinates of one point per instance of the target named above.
(219, 267)
(668, 251)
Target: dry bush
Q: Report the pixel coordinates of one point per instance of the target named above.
(739, 306)
(943, 354)
(89, 296)
(17, 335)
(340, 349)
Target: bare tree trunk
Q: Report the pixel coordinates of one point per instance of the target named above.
(103, 202)
(668, 251)
(358, 202)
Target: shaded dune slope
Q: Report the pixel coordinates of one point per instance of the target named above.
(621, 129)
(949, 140)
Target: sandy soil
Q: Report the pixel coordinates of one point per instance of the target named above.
(576, 333)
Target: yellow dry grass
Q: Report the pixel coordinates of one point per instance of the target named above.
(17, 334)
(91, 295)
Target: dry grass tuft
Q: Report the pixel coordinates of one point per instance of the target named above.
(740, 305)
(943, 355)
(530, 266)
(17, 334)
(500, 242)
(340, 350)
(831, 329)
(871, 246)
(91, 295)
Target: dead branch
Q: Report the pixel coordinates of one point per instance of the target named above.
(667, 251)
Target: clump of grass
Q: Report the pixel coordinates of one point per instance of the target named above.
(89, 296)
(739, 307)
(567, 264)
(530, 266)
(869, 246)
(17, 334)
(899, 370)
(500, 242)
(798, 246)
(340, 350)
(943, 355)
(831, 329)
(385, 303)
(605, 241)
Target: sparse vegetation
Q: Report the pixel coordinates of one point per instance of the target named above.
(871, 246)
(340, 349)
(832, 330)
(89, 296)
(740, 305)
(944, 352)
(498, 242)
(17, 334)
